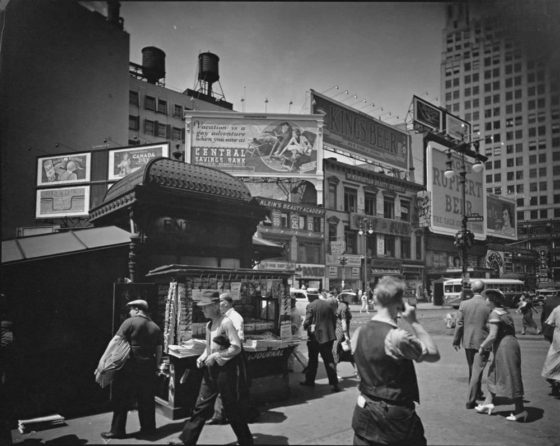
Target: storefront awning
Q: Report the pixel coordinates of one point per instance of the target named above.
(71, 242)
(62, 243)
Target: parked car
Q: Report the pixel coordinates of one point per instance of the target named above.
(303, 297)
(543, 293)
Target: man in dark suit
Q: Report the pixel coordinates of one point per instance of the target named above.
(320, 323)
(471, 330)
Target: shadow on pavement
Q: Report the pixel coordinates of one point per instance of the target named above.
(270, 416)
(267, 439)
(162, 431)
(65, 440)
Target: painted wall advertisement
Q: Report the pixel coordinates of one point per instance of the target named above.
(360, 133)
(256, 145)
(446, 193)
(125, 161)
(501, 217)
(62, 202)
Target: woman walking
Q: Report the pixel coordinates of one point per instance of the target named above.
(504, 373)
(551, 367)
(341, 346)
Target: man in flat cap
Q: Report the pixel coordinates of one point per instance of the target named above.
(137, 379)
(219, 368)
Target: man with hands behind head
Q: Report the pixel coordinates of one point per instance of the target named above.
(384, 354)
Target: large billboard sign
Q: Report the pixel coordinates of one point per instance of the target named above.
(125, 161)
(427, 115)
(361, 134)
(256, 144)
(435, 119)
(63, 169)
(446, 194)
(501, 217)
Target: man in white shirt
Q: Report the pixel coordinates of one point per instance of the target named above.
(227, 310)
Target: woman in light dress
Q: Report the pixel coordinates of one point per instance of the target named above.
(551, 367)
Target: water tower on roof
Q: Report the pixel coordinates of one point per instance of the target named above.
(208, 74)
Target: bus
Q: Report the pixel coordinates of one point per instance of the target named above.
(512, 289)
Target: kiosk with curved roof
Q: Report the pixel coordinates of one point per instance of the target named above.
(184, 213)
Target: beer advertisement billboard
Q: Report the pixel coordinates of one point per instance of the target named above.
(361, 134)
(256, 144)
(446, 194)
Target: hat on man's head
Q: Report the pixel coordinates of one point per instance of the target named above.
(140, 303)
(208, 297)
(226, 296)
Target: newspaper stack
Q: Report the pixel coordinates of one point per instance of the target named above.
(40, 423)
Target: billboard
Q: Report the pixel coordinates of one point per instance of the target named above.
(63, 169)
(62, 202)
(427, 115)
(256, 144)
(125, 161)
(501, 214)
(446, 194)
(361, 134)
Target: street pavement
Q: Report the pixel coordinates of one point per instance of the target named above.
(315, 416)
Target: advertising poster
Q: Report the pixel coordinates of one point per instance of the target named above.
(360, 133)
(63, 202)
(501, 217)
(447, 194)
(125, 161)
(457, 128)
(427, 115)
(255, 146)
(63, 169)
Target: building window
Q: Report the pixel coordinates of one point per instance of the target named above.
(149, 127)
(177, 133)
(133, 122)
(133, 98)
(405, 210)
(369, 202)
(350, 237)
(162, 106)
(161, 130)
(388, 207)
(284, 220)
(350, 199)
(317, 224)
(332, 196)
(309, 252)
(405, 248)
(543, 213)
(178, 111)
(150, 103)
(418, 247)
(520, 202)
(520, 215)
(332, 233)
(389, 245)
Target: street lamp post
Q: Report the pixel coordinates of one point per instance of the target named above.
(464, 239)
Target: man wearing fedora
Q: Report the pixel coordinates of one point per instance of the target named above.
(219, 377)
(137, 379)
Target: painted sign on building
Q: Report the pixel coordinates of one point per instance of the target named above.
(447, 193)
(256, 144)
(360, 133)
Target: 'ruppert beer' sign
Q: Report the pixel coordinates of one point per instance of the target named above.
(359, 133)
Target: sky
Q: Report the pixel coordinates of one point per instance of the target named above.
(381, 53)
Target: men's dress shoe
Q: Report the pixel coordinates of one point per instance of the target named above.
(470, 405)
(336, 389)
(176, 442)
(109, 435)
(216, 421)
(305, 383)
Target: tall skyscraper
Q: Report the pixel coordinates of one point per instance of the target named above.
(500, 70)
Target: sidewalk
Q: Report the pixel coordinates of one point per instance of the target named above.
(313, 416)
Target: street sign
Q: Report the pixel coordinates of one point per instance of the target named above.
(474, 217)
